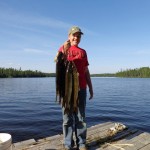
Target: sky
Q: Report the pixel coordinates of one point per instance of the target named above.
(116, 33)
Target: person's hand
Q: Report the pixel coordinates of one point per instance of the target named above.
(91, 93)
(66, 46)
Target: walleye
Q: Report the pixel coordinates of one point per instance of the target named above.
(75, 87)
(68, 87)
(67, 83)
(60, 76)
(70, 102)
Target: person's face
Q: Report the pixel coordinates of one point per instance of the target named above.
(75, 38)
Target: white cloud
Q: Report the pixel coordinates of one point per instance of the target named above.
(36, 51)
(18, 19)
(32, 22)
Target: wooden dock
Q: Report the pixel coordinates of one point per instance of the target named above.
(105, 136)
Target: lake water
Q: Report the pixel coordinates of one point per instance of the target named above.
(28, 108)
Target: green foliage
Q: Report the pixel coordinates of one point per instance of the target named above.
(143, 72)
(103, 75)
(14, 73)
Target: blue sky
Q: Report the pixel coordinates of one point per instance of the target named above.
(116, 33)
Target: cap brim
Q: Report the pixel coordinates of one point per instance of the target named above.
(76, 32)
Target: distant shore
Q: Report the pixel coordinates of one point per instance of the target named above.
(143, 72)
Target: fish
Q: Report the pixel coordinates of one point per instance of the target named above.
(68, 87)
(71, 88)
(67, 83)
(75, 87)
(60, 76)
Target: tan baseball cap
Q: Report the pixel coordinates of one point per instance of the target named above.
(75, 29)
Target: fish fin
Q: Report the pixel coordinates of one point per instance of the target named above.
(55, 59)
(62, 102)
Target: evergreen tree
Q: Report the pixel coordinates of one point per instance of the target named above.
(143, 72)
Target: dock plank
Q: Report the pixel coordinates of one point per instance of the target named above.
(98, 138)
(23, 144)
(137, 142)
(146, 147)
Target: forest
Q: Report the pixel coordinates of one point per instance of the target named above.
(143, 72)
(103, 75)
(14, 73)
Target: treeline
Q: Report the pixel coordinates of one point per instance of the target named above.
(14, 73)
(143, 72)
(103, 75)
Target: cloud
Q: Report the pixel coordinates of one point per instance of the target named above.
(26, 21)
(18, 19)
(35, 51)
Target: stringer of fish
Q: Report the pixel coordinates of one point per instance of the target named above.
(67, 83)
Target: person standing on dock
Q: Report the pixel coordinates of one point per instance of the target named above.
(72, 52)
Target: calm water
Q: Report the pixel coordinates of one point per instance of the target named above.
(28, 108)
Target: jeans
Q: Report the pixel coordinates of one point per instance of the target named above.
(75, 120)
